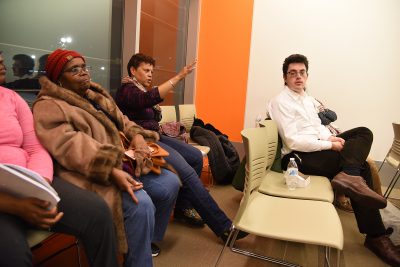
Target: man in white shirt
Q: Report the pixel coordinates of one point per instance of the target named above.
(341, 158)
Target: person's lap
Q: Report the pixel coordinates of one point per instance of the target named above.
(13, 242)
(190, 154)
(163, 190)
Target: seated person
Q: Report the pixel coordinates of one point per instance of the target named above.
(23, 68)
(20, 146)
(140, 103)
(79, 123)
(341, 158)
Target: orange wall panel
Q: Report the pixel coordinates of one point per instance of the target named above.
(223, 61)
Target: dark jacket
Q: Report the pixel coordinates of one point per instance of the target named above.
(223, 157)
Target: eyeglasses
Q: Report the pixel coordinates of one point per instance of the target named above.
(293, 73)
(78, 69)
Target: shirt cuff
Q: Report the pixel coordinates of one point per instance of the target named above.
(326, 145)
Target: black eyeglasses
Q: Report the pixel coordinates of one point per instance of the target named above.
(78, 69)
(293, 73)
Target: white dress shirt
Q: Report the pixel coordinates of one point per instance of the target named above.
(298, 123)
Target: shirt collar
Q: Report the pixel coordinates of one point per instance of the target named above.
(295, 95)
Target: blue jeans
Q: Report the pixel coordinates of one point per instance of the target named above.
(193, 159)
(192, 190)
(191, 154)
(147, 221)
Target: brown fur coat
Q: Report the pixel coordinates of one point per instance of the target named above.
(84, 142)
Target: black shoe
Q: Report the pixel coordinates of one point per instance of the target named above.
(189, 216)
(240, 235)
(155, 250)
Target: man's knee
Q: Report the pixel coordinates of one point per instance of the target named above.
(366, 133)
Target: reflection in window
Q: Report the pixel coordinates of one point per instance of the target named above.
(32, 29)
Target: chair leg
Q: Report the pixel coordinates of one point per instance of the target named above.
(257, 256)
(226, 244)
(338, 258)
(327, 256)
(392, 184)
(380, 167)
(232, 239)
(265, 258)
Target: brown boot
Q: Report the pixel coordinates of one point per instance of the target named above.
(356, 188)
(383, 247)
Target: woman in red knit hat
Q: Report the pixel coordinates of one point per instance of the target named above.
(20, 146)
(79, 124)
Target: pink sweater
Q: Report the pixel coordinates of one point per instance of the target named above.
(18, 142)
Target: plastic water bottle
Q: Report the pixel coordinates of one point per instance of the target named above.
(292, 172)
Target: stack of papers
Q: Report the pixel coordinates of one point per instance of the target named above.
(22, 182)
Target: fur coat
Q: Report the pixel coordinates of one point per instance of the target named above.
(84, 142)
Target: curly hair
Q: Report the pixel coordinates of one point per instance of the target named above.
(137, 59)
(295, 58)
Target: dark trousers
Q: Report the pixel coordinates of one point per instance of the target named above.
(86, 216)
(329, 163)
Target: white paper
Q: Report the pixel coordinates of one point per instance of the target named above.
(22, 182)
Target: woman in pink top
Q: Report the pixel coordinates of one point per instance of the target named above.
(20, 146)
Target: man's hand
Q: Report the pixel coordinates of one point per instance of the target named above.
(337, 143)
(337, 146)
(35, 212)
(126, 183)
(333, 138)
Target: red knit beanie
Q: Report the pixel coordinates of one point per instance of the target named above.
(56, 62)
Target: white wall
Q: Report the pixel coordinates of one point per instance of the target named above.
(353, 47)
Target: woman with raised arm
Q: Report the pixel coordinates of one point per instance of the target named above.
(139, 101)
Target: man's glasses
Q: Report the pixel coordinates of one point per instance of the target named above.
(78, 69)
(293, 73)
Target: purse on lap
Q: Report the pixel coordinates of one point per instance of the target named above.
(175, 130)
(154, 163)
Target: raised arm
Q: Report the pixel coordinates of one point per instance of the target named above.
(169, 85)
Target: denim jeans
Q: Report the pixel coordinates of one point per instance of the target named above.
(139, 228)
(163, 190)
(191, 154)
(147, 221)
(192, 189)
